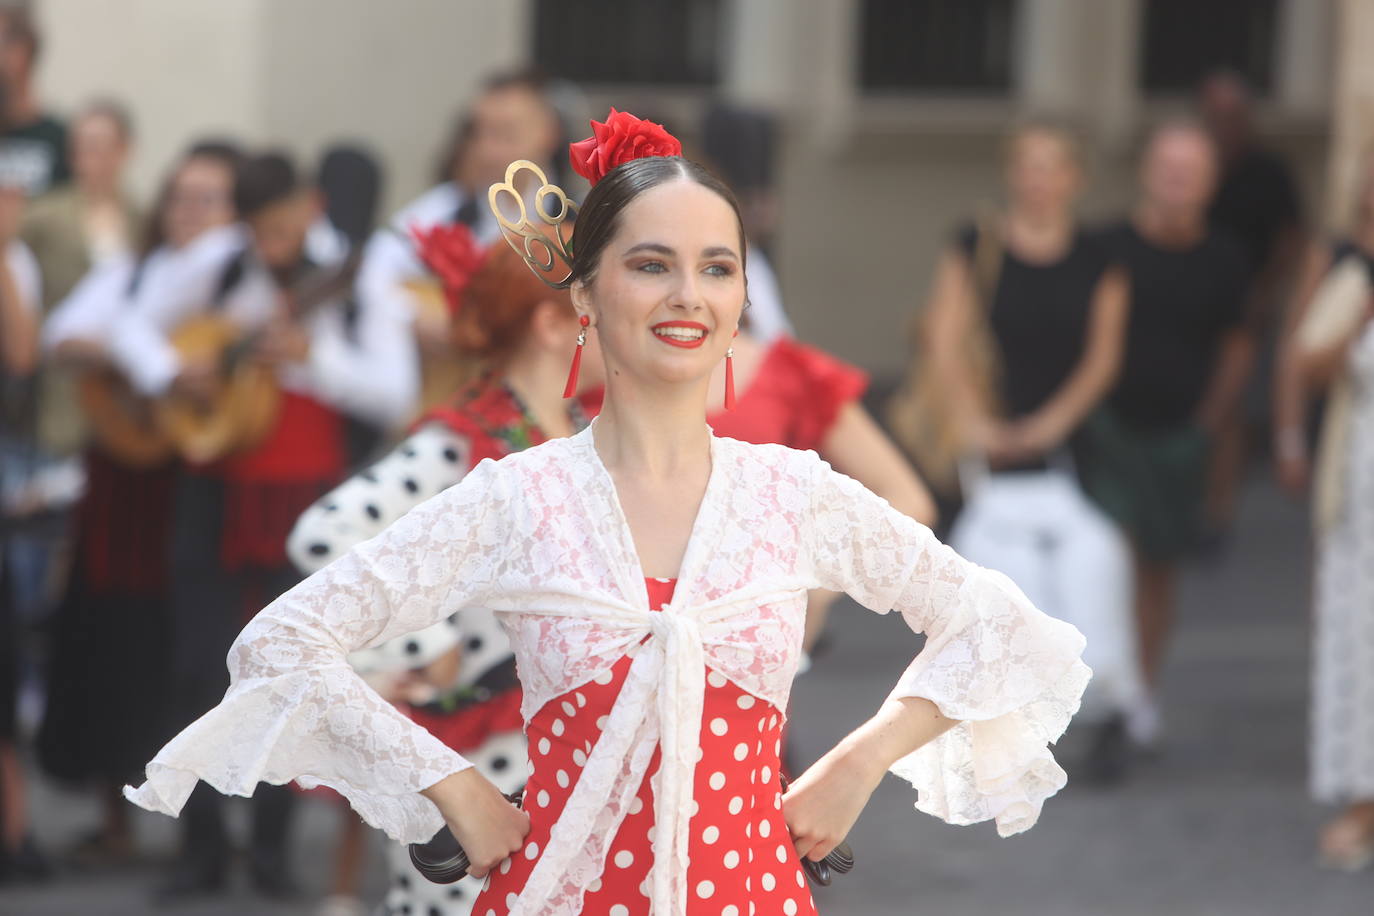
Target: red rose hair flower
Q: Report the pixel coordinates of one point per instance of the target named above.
(622, 138)
(451, 254)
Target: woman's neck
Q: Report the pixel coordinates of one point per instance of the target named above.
(659, 435)
(1039, 234)
(537, 379)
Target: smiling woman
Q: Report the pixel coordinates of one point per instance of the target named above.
(653, 579)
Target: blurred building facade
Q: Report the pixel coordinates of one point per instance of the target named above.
(892, 111)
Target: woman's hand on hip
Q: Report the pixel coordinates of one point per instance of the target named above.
(488, 827)
(823, 804)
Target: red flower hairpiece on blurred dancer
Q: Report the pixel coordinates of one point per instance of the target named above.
(452, 254)
(621, 139)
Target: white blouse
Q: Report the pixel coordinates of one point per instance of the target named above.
(540, 537)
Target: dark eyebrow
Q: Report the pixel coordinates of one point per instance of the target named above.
(719, 251)
(655, 247)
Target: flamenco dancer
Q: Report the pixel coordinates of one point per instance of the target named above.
(457, 678)
(652, 578)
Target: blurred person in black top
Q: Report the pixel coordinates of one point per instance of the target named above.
(1257, 201)
(1053, 306)
(33, 144)
(1188, 353)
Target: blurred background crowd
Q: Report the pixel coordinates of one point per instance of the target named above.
(1101, 269)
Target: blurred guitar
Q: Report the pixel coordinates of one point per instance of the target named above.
(239, 412)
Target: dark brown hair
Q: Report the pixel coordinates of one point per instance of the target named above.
(599, 217)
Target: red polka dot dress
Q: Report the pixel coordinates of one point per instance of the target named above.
(743, 862)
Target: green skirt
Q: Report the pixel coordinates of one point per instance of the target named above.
(1152, 482)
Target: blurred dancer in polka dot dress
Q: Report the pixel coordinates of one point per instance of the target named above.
(457, 678)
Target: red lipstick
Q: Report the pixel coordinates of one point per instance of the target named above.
(686, 341)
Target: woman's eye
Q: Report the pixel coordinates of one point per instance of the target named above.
(720, 270)
(653, 267)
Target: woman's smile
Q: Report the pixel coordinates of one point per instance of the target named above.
(689, 334)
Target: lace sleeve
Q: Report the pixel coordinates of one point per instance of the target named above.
(296, 710)
(1010, 674)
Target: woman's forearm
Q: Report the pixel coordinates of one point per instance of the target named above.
(901, 726)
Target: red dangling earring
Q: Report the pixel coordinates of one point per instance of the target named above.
(571, 388)
(730, 375)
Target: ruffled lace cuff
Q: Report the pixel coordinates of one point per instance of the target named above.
(1013, 677)
(998, 769)
(322, 727)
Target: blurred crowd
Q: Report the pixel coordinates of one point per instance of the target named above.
(188, 378)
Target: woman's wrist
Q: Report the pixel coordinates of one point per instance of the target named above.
(452, 786)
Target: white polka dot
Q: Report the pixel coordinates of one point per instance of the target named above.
(732, 859)
(581, 700)
(637, 805)
(769, 882)
(773, 721)
(505, 866)
(653, 832)
(718, 726)
(694, 810)
(532, 851)
(544, 745)
(736, 805)
(604, 677)
(705, 889)
(782, 854)
(749, 832)
(587, 746)
(562, 777)
(542, 798)
(789, 907)
(741, 751)
(758, 747)
(730, 910)
(751, 855)
(697, 753)
(716, 679)
(777, 801)
(752, 908)
(753, 776)
(510, 901)
(557, 728)
(624, 859)
(765, 828)
(594, 886)
(579, 757)
(644, 888)
(801, 882)
(601, 723)
(569, 709)
(767, 774)
(717, 781)
(710, 835)
(745, 701)
(777, 748)
(620, 910)
(748, 884)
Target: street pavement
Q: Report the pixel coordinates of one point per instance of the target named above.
(1219, 824)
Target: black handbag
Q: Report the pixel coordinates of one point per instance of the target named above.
(443, 861)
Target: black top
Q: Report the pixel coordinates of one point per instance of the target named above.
(1255, 201)
(35, 155)
(1183, 302)
(1039, 318)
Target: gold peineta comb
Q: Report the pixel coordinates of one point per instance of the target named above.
(548, 256)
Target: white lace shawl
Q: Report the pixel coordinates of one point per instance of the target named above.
(540, 537)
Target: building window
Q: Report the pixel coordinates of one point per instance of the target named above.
(659, 42)
(937, 46)
(1187, 39)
